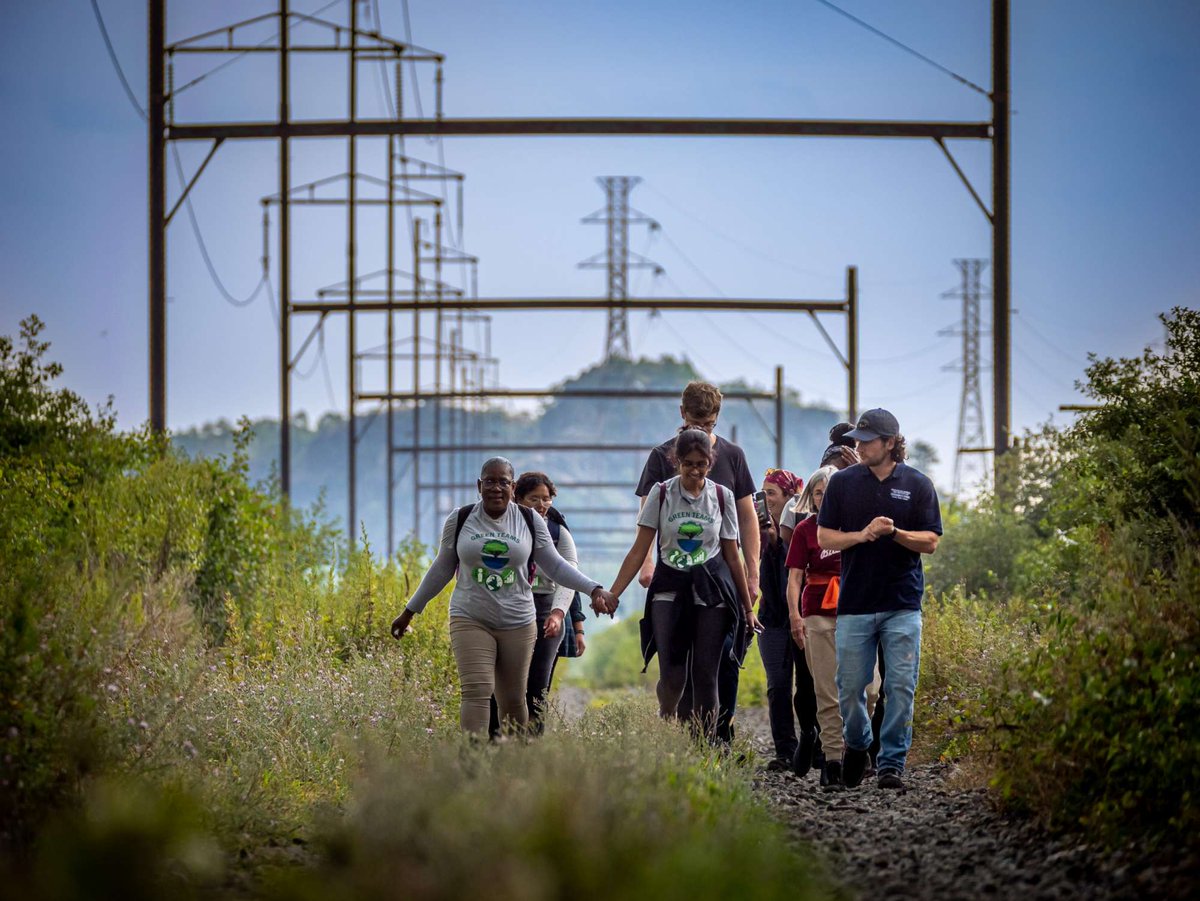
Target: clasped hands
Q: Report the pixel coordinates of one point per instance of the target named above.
(879, 527)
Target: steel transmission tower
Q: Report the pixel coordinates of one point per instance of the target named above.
(617, 216)
(972, 438)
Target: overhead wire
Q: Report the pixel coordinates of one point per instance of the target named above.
(748, 248)
(233, 59)
(208, 263)
(1024, 322)
(116, 63)
(455, 239)
(907, 49)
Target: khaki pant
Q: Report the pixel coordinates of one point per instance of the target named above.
(820, 650)
(491, 661)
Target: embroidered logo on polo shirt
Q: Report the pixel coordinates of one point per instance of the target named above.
(900, 494)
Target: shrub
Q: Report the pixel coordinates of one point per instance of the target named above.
(1100, 711)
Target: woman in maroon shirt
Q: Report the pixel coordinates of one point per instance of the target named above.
(812, 594)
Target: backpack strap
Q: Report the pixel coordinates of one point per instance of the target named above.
(527, 515)
(463, 513)
(720, 498)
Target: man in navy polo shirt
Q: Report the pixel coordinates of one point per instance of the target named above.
(882, 515)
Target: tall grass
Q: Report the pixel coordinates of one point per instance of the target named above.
(200, 697)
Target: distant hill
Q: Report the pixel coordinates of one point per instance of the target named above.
(319, 452)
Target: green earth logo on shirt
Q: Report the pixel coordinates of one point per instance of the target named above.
(495, 572)
(689, 552)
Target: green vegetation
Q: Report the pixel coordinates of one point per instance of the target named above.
(1064, 647)
(200, 698)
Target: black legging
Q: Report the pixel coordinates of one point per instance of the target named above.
(702, 659)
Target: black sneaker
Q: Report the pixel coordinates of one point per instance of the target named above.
(854, 764)
(831, 776)
(890, 779)
(802, 759)
(778, 765)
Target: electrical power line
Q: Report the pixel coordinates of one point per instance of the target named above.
(116, 63)
(686, 259)
(748, 248)
(233, 59)
(208, 263)
(907, 49)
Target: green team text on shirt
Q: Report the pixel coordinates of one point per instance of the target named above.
(690, 514)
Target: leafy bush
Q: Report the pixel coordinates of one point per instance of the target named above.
(1077, 611)
(1101, 709)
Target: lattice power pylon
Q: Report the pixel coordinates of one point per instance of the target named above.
(617, 216)
(972, 438)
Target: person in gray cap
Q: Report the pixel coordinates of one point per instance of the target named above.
(882, 515)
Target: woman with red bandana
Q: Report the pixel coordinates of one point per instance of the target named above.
(782, 660)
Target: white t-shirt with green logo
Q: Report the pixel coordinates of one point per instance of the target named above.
(690, 529)
(492, 584)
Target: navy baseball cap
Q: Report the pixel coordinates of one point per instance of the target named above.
(877, 423)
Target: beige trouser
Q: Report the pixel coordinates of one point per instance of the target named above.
(491, 661)
(820, 650)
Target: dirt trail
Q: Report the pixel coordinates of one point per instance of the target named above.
(937, 841)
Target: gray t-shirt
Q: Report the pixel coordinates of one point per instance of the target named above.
(492, 573)
(543, 584)
(689, 528)
(792, 514)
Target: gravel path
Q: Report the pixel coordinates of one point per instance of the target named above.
(938, 841)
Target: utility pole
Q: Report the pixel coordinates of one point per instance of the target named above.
(617, 217)
(1001, 237)
(971, 431)
(157, 153)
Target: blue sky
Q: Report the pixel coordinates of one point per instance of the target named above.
(1105, 191)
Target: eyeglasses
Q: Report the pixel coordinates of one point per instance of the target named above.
(706, 426)
(496, 483)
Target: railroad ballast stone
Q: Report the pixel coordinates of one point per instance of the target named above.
(934, 840)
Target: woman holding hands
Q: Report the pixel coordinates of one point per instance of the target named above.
(489, 546)
(699, 584)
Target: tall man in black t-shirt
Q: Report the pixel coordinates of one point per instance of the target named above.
(700, 406)
(882, 515)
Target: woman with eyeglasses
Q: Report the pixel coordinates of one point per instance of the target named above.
(536, 491)
(699, 586)
(489, 546)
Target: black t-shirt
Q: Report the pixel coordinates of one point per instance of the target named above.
(881, 575)
(772, 581)
(729, 468)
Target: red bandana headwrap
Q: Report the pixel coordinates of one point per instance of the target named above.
(788, 482)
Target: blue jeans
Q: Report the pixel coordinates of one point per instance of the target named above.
(859, 637)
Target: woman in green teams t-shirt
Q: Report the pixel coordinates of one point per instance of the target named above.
(492, 621)
(699, 584)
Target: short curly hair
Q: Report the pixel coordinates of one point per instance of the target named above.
(701, 399)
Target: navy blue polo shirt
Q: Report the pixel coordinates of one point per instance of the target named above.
(880, 575)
